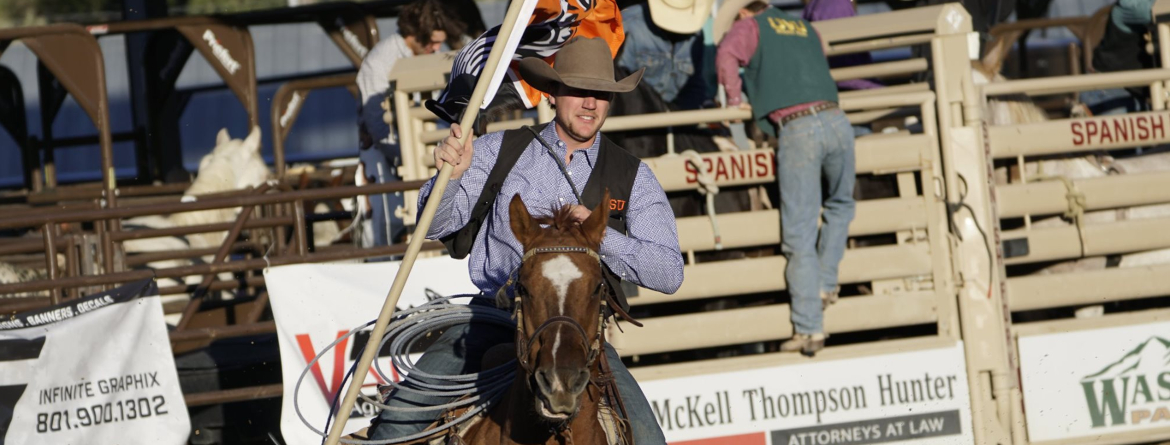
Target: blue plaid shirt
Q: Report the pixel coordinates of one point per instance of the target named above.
(649, 256)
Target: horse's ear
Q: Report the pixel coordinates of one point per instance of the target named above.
(253, 139)
(223, 137)
(594, 225)
(523, 226)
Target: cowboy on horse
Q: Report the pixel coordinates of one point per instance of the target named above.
(567, 165)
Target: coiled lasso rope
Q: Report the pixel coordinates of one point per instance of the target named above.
(478, 390)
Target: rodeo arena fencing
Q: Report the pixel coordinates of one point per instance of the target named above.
(1005, 280)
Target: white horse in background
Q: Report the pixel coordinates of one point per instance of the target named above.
(1019, 109)
(233, 164)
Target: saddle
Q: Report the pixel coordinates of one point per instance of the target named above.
(611, 414)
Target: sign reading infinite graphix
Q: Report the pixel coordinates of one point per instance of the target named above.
(93, 370)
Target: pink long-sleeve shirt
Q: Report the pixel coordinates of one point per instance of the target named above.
(735, 51)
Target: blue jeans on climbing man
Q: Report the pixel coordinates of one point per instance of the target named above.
(814, 150)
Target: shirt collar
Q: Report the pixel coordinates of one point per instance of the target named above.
(400, 44)
(550, 134)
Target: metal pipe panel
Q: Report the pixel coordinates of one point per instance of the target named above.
(874, 154)
(882, 69)
(760, 228)
(1106, 192)
(1063, 243)
(1088, 287)
(755, 275)
(767, 323)
(1080, 135)
(1084, 82)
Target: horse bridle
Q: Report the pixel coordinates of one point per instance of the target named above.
(524, 343)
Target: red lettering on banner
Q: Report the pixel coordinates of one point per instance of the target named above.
(737, 164)
(308, 352)
(763, 164)
(305, 344)
(1119, 130)
(1090, 130)
(733, 166)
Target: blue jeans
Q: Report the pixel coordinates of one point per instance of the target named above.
(459, 350)
(813, 149)
(386, 225)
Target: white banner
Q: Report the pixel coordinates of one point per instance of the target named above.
(315, 304)
(94, 370)
(917, 397)
(1096, 382)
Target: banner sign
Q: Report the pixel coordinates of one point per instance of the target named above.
(93, 370)
(917, 397)
(315, 304)
(1096, 382)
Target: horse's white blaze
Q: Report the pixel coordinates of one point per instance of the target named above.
(556, 383)
(560, 271)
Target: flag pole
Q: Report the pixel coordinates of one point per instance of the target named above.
(424, 224)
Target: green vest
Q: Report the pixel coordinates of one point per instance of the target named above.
(789, 67)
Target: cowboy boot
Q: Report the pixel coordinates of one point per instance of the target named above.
(807, 344)
(828, 298)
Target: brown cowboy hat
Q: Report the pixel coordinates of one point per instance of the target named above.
(583, 63)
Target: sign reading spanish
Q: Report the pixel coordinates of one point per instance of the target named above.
(93, 370)
(919, 397)
(1096, 382)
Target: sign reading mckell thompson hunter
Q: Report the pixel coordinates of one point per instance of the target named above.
(919, 397)
(1096, 382)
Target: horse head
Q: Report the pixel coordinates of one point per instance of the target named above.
(233, 164)
(560, 288)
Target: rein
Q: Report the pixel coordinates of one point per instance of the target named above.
(524, 343)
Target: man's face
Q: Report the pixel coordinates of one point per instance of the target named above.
(580, 113)
(420, 48)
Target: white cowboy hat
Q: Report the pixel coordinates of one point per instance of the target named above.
(725, 16)
(680, 16)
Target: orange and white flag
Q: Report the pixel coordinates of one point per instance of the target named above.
(551, 24)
